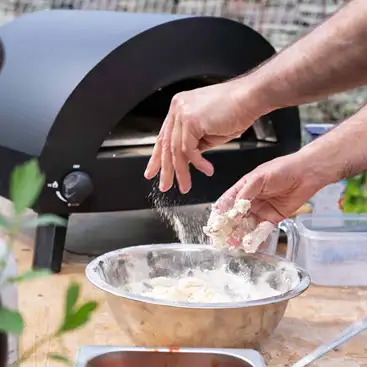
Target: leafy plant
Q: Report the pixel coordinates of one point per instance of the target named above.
(26, 184)
(355, 195)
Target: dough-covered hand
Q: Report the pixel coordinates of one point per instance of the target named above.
(236, 227)
(197, 120)
(273, 191)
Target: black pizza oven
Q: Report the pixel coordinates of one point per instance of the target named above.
(86, 93)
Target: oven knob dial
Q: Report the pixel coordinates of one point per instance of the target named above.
(77, 186)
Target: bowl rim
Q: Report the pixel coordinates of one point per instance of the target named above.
(95, 279)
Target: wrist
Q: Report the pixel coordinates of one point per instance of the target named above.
(340, 153)
(322, 164)
(251, 98)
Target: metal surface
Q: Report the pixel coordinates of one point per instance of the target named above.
(152, 322)
(342, 338)
(138, 130)
(93, 356)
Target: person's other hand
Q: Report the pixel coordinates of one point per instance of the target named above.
(197, 120)
(276, 188)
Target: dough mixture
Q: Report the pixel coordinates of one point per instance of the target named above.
(237, 228)
(211, 286)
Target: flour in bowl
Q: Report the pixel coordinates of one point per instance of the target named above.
(205, 286)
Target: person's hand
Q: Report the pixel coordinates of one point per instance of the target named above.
(276, 188)
(237, 227)
(197, 120)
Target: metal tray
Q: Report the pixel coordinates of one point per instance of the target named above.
(105, 356)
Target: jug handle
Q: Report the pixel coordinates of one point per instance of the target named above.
(290, 229)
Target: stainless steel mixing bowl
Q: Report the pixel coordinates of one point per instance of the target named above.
(152, 322)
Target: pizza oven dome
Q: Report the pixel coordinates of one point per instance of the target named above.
(87, 91)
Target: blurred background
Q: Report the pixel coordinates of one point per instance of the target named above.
(280, 21)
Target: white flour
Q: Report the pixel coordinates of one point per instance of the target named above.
(188, 227)
(205, 286)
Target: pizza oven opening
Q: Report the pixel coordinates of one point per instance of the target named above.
(137, 132)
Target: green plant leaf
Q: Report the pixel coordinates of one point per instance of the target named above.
(32, 274)
(11, 321)
(45, 220)
(3, 222)
(59, 358)
(78, 318)
(72, 296)
(26, 183)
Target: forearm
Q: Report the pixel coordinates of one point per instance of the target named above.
(330, 59)
(340, 153)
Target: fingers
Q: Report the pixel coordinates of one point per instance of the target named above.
(167, 170)
(248, 187)
(266, 211)
(190, 147)
(251, 187)
(227, 200)
(177, 145)
(254, 239)
(180, 162)
(154, 164)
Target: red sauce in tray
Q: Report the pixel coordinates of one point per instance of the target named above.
(174, 349)
(118, 364)
(156, 359)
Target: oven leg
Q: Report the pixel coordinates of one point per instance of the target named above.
(49, 247)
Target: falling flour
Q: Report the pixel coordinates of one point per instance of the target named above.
(188, 227)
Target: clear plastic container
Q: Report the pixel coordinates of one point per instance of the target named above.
(333, 249)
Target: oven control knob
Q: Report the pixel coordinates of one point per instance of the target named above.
(77, 187)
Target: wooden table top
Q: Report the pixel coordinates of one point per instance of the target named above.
(311, 319)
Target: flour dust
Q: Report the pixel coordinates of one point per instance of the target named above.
(187, 224)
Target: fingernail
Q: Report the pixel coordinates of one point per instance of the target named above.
(184, 191)
(210, 172)
(148, 174)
